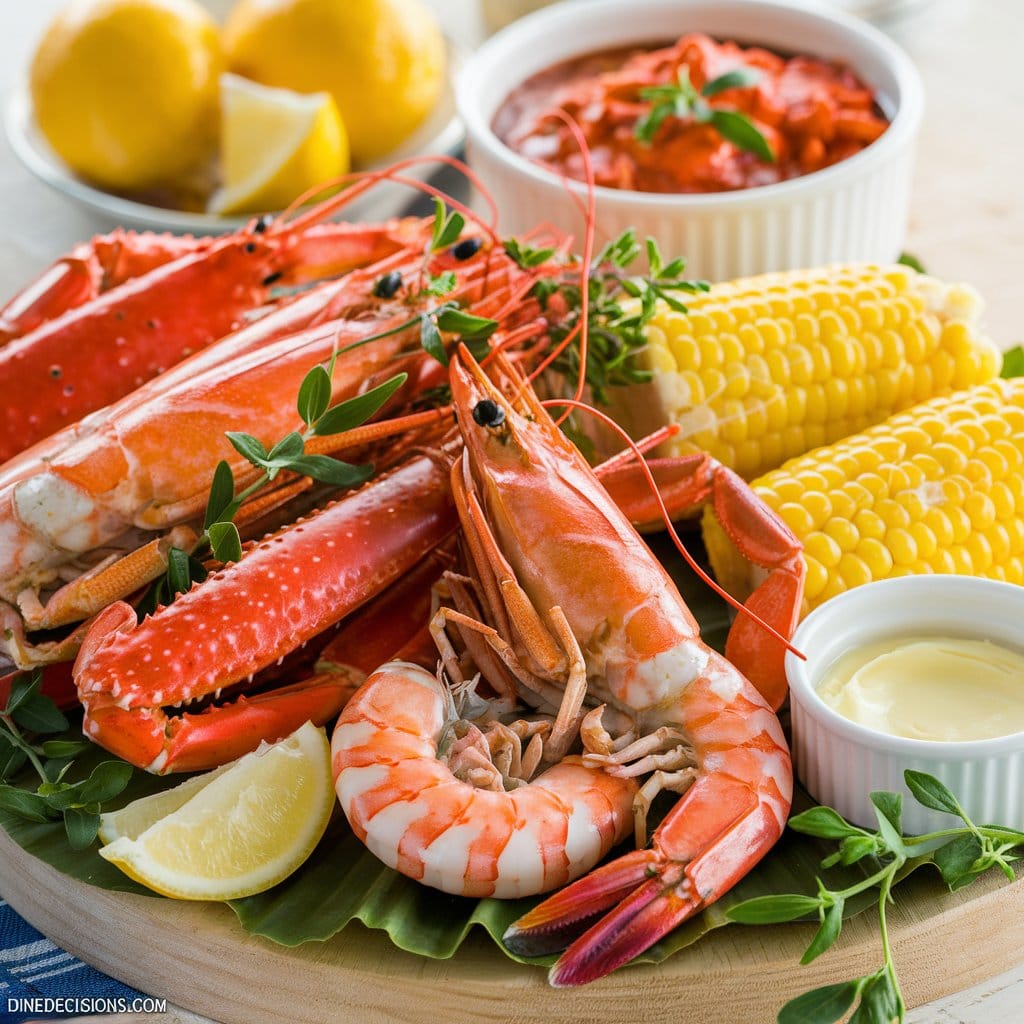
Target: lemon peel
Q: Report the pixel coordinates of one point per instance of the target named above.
(241, 832)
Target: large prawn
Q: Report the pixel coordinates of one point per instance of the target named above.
(565, 607)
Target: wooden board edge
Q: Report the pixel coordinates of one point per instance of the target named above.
(198, 957)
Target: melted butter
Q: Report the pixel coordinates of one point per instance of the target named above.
(930, 688)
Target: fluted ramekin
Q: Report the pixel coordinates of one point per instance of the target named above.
(855, 210)
(841, 762)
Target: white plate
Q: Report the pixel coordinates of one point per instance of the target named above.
(440, 134)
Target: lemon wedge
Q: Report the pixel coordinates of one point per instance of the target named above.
(132, 820)
(275, 144)
(235, 834)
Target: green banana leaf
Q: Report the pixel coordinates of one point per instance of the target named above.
(343, 881)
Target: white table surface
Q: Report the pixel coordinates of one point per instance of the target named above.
(967, 222)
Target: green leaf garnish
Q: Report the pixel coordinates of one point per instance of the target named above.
(331, 471)
(739, 78)
(958, 861)
(314, 395)
(448, 226)
(222, 495)
(431, 340)
(469, 327)
(440, 284)
(910, 260)
(825, 823)
(179, 571)
(77, 802)
(225, 542)
(64, 748)
(615, 333)
(525, 256)
(1013, 363)
(249, 447)
(23, 688)
(82, 826)
(26, 805)
(961, 855)
(827, 933)
(775, 909)
(928, 790)
(681, 100)
(740, 131)
(355, 411)
(39, 714)
(823, 1005)
(106, 780)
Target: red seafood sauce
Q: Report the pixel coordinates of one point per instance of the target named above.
(812, 113)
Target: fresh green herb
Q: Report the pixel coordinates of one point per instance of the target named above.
(525, 256)
(960, 853)
(448, 225)
(1013, 363)
(908, 259)
(680, 99)
(289, 453)
(615, 331)
(26, 718)
(440, 284)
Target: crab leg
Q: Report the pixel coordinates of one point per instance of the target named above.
(102, 348)
(118, 476)
(88, 270)
(286, 590)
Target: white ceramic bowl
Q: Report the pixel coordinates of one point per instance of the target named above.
(854, 210)
(841, 762)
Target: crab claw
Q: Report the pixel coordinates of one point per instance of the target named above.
(705, 845)
(139, 683)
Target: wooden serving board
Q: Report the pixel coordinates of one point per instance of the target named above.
(197, 956)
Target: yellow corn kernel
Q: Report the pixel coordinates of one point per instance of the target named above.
(854, 570)
(902, 502)
(834, 348)
(843, 532)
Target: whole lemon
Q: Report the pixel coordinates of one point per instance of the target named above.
(382, 60)
(125, 91)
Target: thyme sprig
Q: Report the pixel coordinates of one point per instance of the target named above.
(615, 326)
(961, 854)
(681, 99)
(25, 720)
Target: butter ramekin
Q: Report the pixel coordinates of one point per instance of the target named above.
(855, 210)
(841, 762)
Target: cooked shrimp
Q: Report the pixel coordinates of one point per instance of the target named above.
(413, 791)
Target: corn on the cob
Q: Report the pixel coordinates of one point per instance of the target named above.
(938, 488)
(765, 368)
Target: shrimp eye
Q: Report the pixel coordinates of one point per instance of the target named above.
(466, 249)
(488, 414)
(387, 285)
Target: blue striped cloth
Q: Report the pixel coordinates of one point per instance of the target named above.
(31, 966)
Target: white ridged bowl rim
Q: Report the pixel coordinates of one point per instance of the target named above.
(892, 594)
(560, 18)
